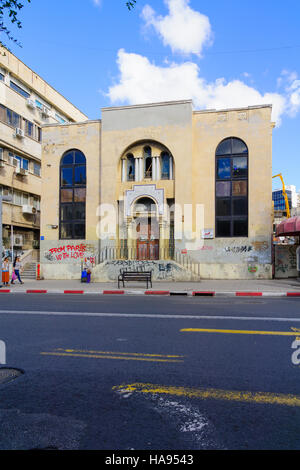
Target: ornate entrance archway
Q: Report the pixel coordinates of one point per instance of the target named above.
(147, 229)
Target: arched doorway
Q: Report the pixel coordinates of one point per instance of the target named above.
(147, 229)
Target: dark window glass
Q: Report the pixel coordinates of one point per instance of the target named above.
(223, 168)
(19, 90)
(238, 146)
(12, 118)
(239, 188)
(1, 77)
(239, 167)
(148, 167)
(73, 195)
(223, 207)
(130, 168)
(80, 175)
(240, 228)
(66, 195)
(240, 206)
(68, 159)
(223, 228)
(79, 157)
(224, 148)
(223, 189)
(29, 128)
(79, 231)
(67, 176)
(232, 195)
(66, 212)
(66, 231)
(25, 164)
(79, 211)
(79, 194)
(165, 167)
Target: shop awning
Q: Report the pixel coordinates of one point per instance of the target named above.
(289, 227)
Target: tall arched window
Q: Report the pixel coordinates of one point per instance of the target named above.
(148, 162)
(72, 196)
(165, 166)
(130, 167)
(232, 188)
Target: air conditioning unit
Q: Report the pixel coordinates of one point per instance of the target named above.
(30, 103)
(26, 209)
(18, 240)
(45, 111)
(19, 133)
(21, 171)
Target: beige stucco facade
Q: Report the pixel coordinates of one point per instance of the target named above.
(163, 154)
(27, 102)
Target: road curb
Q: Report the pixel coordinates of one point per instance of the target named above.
(154, 292)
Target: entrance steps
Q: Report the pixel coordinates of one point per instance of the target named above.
(29, 271)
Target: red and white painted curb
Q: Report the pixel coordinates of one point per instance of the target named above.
(152, 292)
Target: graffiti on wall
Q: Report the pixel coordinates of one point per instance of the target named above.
(71, 253)
(160, 270)
(254, 246)
(238, 249)
(285, 261)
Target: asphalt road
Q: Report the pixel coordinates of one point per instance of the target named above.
(129, 372)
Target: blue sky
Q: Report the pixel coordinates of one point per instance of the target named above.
(219, 53)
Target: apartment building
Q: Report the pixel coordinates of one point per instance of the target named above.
(27, 102)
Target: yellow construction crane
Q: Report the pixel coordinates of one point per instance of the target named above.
(287, 206)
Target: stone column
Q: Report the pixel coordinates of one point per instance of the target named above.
(141, 169)
(136, 168)
(161, 240)
(130, 239)
(171, 167)
(124, 170)
(158, 169)
(154, 177)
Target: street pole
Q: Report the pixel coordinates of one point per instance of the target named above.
(1, 240)
(6, 199)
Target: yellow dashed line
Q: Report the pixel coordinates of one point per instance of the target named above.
(239, 332)
(228, 395)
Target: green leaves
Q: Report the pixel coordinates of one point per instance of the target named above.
(10, 8)
(130, 5)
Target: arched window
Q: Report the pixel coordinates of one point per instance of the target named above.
(72, 196)
(148, 162)
(130, 167)
(165, 166)
(232, 188)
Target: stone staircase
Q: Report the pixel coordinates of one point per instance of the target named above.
(29, 271)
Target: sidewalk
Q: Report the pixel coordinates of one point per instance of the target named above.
(277, 287)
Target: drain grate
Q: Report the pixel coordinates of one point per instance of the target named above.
(7, 374)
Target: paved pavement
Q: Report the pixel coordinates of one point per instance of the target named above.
(276, 287)
(137, 373)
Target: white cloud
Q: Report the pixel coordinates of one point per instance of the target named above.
(188, 31)
(185, 30)
(141, 81)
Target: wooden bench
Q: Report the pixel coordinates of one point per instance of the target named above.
(135, 276)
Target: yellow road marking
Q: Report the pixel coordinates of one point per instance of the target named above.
(215, 394)
(120, 353)
(239, 332)
(98, 356)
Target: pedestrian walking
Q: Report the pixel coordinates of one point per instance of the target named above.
(5, 271)
(17, 266)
